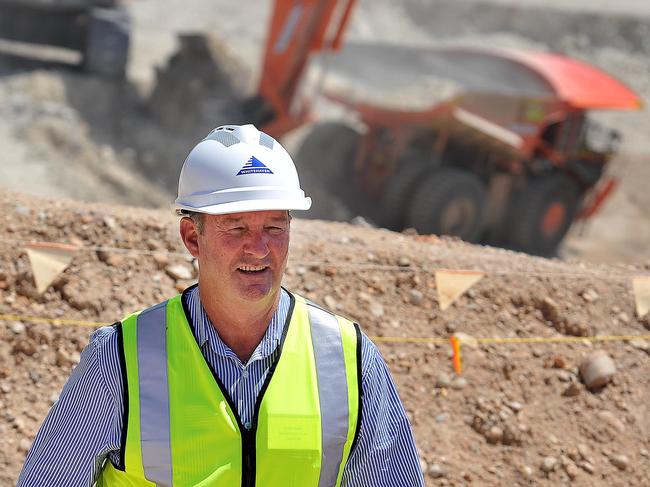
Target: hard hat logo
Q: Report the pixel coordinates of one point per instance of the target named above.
(254, 166)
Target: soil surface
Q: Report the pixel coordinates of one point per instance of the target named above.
(519, 414)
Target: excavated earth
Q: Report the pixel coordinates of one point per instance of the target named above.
(518, 415)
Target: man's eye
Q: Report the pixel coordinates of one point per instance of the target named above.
(275, 230)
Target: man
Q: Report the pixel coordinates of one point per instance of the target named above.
(237, 381)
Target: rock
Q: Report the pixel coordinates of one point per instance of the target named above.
(179, 272)
(112, 259)
(494, 435)
(583, 450)
(611, 419)
(640, 344)
(17, 327)
(620, 461)
(451, 327)
(19, 424)
(415, 297)
(459, 383)
(330, 302)
(64, 358)
(571, 470)
(572, 390)
(442, 417)
(376, 310)
(423, 466)
(623, 317)
(527, 471)
(443, 380)
(590, 295)
(161, 259)
(5, 387)
(110, 222)
(550, 310)
(597, 369)
(360, 221)
(548, 464)
(24, 445)
(587, 467)
(644, 453)
(559, 362)
(515, 406)
(403, 262)
(436, 471)
(26, 347)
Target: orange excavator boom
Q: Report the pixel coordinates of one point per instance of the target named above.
(298, 29)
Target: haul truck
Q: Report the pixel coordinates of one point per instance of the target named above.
(505, 154)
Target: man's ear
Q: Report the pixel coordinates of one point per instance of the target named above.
(190, 236)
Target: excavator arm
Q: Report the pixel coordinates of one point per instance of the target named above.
(298, 29)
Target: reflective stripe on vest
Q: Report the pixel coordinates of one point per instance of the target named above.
(154, 395)
(332, 386)
(334, 372)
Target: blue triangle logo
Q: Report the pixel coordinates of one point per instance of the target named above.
(254, 166)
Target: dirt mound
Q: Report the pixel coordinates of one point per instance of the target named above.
(519, 414)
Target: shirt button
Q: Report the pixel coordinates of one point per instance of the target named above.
(244, 374)
(247, 425)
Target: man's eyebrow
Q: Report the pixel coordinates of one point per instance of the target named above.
(232, 219)
(279, 219)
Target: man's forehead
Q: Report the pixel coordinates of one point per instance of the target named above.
(271, 215)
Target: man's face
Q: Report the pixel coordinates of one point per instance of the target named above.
(243, 255)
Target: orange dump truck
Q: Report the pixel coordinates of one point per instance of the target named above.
(499, 147)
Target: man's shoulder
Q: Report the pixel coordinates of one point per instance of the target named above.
(105, 339)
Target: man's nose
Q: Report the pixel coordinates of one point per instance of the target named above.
(257, 245)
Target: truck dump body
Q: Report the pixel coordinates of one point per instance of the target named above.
(389, 73)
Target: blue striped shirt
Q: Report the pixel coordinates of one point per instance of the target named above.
(83, 428)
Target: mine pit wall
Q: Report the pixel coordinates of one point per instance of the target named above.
(554, 27)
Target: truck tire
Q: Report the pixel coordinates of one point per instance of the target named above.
(398, 193)
(327, 153)
(449, 202)
(542, 213)
(107, 43)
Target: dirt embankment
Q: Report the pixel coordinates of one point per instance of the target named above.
(519, 414)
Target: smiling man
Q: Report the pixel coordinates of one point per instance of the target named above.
(238, 381)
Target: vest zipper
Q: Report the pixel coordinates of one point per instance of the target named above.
(248, 457)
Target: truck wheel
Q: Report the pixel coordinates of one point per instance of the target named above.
(327, 154)
(542, 213)
(449, 202)
(107, 43)
(398, 193)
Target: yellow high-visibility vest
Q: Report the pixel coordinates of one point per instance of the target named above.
(183, 430)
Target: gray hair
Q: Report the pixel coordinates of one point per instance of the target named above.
(197, 218)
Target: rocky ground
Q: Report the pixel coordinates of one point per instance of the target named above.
(519, 414)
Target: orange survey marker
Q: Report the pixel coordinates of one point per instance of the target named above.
(455, 346)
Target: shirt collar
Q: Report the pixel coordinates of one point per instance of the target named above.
(205, 332)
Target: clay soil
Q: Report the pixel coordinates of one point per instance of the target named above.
(515, 406)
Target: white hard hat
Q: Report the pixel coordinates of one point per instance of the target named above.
(238, 168)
